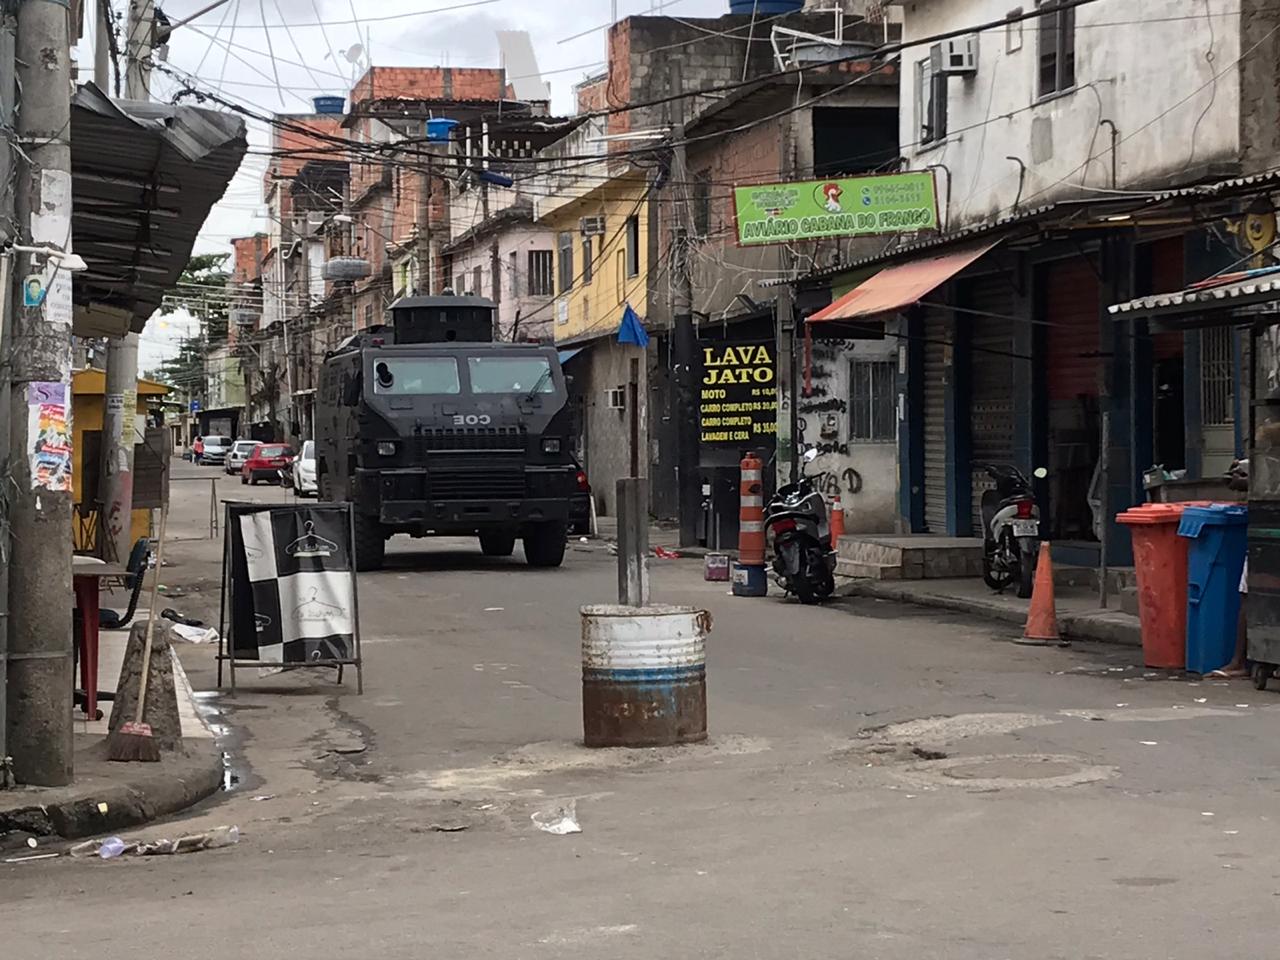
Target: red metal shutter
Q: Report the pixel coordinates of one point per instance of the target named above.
(1074, 337)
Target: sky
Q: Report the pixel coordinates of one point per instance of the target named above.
(278, 69)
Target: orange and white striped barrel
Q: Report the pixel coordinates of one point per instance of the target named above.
(837, 521)
(751, 513)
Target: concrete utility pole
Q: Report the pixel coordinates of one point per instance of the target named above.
(684, 339)
(39, 491)
(115, 523)
(102, 47)
(8, 230)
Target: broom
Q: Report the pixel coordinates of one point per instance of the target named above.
(132, 741)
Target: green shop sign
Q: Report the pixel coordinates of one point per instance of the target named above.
(848, 207)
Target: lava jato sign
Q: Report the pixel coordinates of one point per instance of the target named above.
(848, 207)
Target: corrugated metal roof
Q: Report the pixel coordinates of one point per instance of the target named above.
(1222, 187)
(144, 178)
(1241, 293)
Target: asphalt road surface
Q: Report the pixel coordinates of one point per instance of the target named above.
(880, 782)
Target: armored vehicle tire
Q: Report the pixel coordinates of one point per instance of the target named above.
(544, 544)
(497, 544)
(371, 543)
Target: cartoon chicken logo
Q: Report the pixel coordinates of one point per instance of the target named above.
(831, 193)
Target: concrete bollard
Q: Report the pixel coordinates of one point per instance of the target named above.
(644, 675)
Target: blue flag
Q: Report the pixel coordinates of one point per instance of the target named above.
(631, 330)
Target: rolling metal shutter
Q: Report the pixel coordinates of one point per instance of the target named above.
(937, 335)
(991, 398)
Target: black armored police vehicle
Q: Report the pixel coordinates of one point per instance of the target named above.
(430, 428)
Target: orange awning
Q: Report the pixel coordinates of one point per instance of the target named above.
(895, 288)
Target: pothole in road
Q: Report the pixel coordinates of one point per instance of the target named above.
(1007, 772)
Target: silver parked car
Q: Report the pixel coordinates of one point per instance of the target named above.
(215, 451)
(238, 454)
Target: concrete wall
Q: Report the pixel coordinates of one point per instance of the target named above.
(863, 474)
(601, 367)
(1149, 68)
(518, 239)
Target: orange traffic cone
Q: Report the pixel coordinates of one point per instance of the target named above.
(1042, 618)
(837, 522)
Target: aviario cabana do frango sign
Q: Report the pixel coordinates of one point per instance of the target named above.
(845, 207)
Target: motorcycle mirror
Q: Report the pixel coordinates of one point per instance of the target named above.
(810, 455)
(1041, 473)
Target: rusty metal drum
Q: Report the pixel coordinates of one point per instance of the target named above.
(644, 678)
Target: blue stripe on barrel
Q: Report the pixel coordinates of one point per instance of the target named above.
(643, 675)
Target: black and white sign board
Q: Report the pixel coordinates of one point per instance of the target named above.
(289, 589)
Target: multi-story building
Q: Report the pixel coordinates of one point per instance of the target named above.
(1081, 159)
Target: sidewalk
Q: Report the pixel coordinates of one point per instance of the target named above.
(106, 797)
(665, 536)
(1079, 616)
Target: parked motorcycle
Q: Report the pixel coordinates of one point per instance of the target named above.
(1010, 529)
(803, 562)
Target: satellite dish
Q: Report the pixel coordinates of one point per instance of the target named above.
(354, 52)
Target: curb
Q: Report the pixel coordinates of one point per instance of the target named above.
(1104, 626)
(178, 783)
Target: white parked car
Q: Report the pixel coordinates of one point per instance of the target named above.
(304, 471)
(215, 451)
(238, 454)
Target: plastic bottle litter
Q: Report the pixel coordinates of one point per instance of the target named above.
(111, 847)
(560, 820)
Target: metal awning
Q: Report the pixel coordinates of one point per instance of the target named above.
(1254, 291)
(898, 287)
(144, 178)
(567, 355)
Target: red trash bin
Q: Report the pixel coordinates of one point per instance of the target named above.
(1160, 562)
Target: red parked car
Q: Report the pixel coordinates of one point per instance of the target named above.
(266, 462)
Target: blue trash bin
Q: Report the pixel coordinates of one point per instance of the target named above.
(1219, 535)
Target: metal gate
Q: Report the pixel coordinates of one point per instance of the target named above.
(937, 337)
(991, 396)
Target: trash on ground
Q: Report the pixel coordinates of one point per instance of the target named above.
(559, 820)
(109, 848)
(168, 613)
(1206, 813)
(494, 609)
(1149, 743)
(448, 827)
(38, 856)
(102, 808)
(582, 539)
(1202, 699)
(196, 634)
(264, 796)
(32, 842)
(662, 553)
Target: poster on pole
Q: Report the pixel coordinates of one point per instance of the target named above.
(289, 577)
(841, 207)
(49, 436)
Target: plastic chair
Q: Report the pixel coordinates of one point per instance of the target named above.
(137, 568)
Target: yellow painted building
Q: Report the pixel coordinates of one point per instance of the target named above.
(601, 256)
(88, 392)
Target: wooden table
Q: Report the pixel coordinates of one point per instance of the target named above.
(87, 574)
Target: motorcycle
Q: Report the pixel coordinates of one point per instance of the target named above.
(803, 562)
(1010, 529)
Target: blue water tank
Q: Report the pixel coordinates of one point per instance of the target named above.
(765, 7)
(439, 128)
(329, 104)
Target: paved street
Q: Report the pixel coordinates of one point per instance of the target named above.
(1044, 803)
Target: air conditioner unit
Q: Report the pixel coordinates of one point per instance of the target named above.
(591, 226)
(618, 398)
(243, 318)
(960, 55)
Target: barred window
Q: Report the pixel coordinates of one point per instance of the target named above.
(871, 400)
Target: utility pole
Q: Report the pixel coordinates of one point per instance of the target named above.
(102, 47)
(38, 708)
(115, 522)
(8, 230)
(684, 340)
